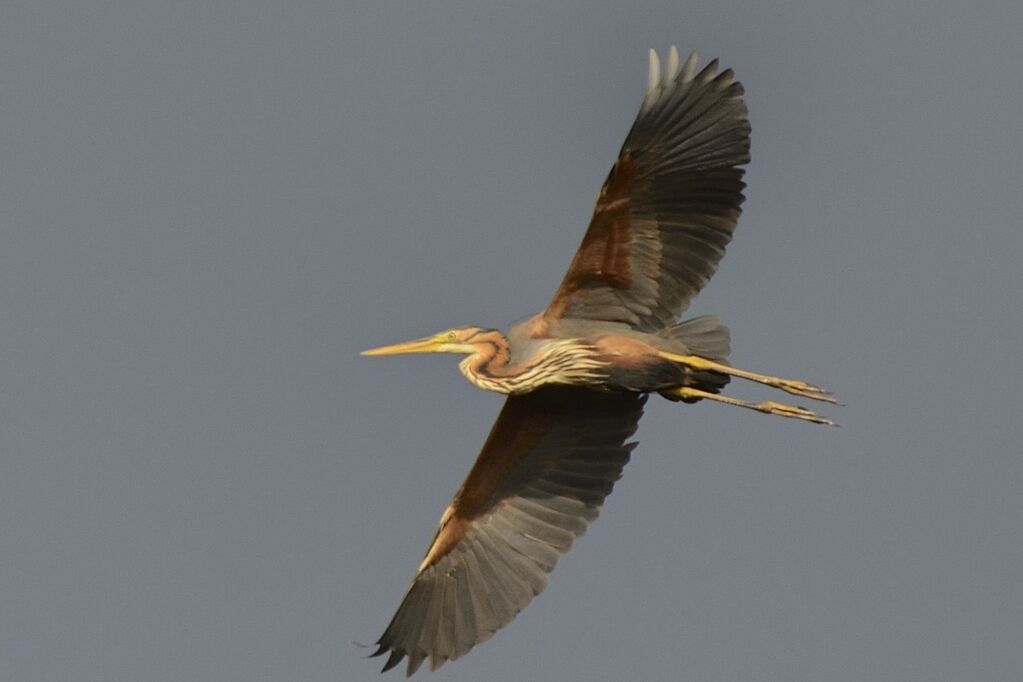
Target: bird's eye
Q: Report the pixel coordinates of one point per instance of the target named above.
(450, 336)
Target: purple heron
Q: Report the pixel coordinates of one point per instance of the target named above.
(578, 373)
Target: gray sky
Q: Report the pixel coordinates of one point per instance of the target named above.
(207, 210)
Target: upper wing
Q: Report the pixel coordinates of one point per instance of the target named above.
(668, 207)
(550, 460)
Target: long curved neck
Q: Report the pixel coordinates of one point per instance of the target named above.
(563, 361)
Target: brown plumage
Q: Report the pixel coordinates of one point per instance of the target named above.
(668, 207)
(578, 373)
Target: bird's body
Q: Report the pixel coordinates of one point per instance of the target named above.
(578, 373)
(586, 354)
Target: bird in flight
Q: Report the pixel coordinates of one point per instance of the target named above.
(578, 373)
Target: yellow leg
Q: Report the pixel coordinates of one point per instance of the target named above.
(793, 386)
(767, 407)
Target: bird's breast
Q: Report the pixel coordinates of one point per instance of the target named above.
(566, 362)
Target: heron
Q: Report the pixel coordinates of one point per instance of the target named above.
(577, 374)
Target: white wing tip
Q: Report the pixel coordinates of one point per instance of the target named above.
(658, 80)
(653, 81)
(672, 70)
(653, 76)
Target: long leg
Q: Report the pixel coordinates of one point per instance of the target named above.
(767, 407)
(793, 386)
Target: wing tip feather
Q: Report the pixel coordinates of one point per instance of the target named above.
(414, 661)
(392, 660)
(672, 71)
(660, 77)
(688, 71)
(653, 78)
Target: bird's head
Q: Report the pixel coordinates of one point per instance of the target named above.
(459, 340)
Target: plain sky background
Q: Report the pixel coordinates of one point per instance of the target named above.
(208, 209)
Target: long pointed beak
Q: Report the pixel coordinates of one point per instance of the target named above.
(428, 345)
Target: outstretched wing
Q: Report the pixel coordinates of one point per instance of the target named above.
(668, 207)
(550, 460)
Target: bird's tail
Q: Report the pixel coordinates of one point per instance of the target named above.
(707, 337)
(704, 336)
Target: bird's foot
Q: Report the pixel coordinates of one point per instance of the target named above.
(797, 387)
(766, 407)
(801, 388)
(792, 412)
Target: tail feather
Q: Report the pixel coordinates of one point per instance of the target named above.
(707, 337)
(704, 336)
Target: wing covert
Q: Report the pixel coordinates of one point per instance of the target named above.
(552, 457)
(669, 205)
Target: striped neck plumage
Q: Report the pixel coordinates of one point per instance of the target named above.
(561, 361)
